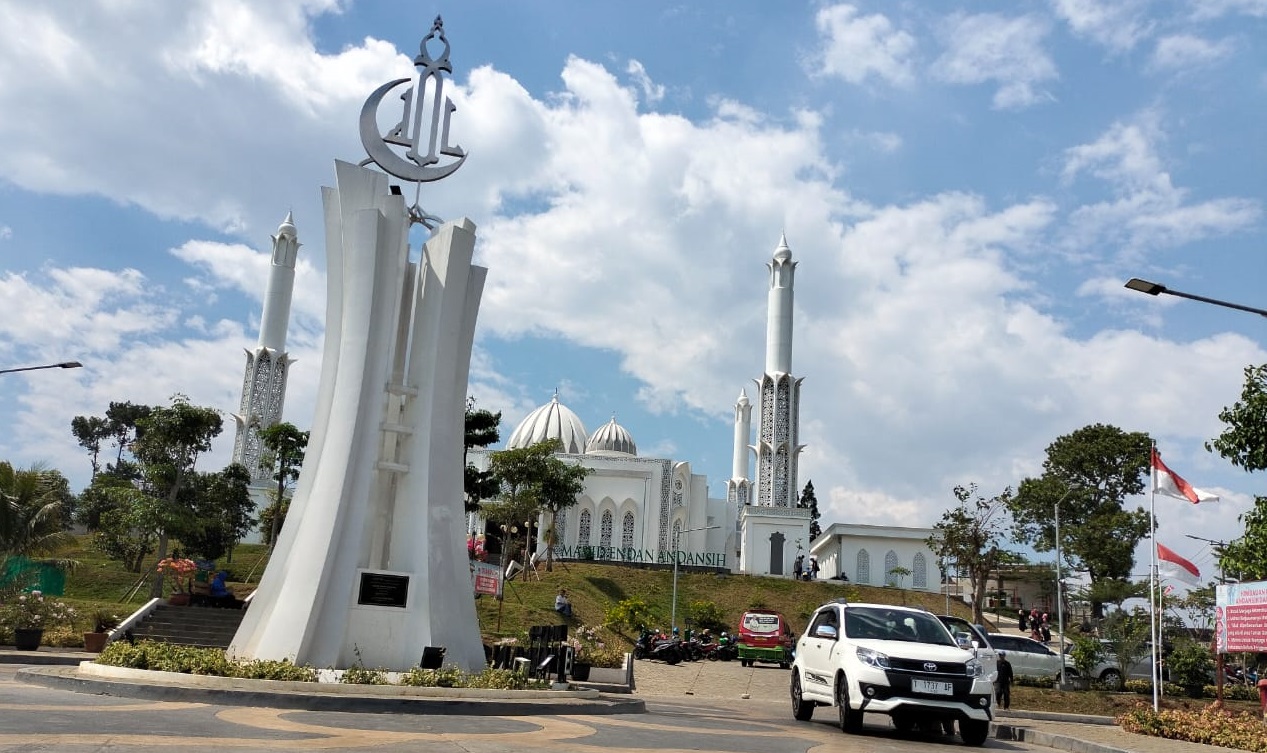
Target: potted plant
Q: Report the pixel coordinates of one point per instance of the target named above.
(28, 614)
(102, 623)
(181, 572)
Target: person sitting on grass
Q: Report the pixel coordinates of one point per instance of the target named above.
(561, 603)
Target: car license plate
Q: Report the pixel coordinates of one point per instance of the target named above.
(934, 688)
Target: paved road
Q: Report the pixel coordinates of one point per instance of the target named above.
(34, 718)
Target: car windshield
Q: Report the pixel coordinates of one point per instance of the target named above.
(878, 623)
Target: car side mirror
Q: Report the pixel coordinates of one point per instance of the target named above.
(825, 631)
(963, 641)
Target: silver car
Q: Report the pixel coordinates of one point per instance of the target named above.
(1030, 658)
(986, 651)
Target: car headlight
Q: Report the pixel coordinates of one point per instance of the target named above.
(973, 667)
(873, 658)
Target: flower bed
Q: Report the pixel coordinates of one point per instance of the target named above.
(1212, 726)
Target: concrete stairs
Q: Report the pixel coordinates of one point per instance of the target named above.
(190, 626)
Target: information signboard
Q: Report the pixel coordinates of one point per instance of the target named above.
(487, 578)
(1240, 617)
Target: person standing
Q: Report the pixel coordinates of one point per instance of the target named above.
(1003, 685)
(813, 568)
(1021, 622)
(1046, 629)
(798, 566)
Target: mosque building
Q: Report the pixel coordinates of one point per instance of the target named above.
(635, 509)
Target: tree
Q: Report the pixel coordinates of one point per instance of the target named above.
(222, 507)
(1127, 637)
(810, 500)
(1089, 474)
(1244, 443)
(33, 503)
(970, 534)
(533, 482)
(90, 432)
(286, 446)
(559, 485)
(168, 446)
(481, 431)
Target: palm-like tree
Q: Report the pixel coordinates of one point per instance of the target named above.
(33, 515)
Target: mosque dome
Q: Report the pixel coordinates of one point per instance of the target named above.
(554, 420)
(611, 439)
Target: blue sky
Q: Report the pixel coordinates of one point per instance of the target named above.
(966, 187)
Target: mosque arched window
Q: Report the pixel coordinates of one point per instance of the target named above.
(627, 531)
(864, 567)
(890, 564)
(605, 530)
(583, 529)
(919, 572)
(560, 528)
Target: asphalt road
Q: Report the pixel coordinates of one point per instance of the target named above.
(34, 718)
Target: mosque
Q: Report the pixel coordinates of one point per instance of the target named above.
(641, 510)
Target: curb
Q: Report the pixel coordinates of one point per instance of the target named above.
(372, 699)
(44, 658)
(1050, 740)
(1055, 716)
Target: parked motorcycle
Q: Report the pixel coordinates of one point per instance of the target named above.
(654, 645)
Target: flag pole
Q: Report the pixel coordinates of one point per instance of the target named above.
(1153, 596)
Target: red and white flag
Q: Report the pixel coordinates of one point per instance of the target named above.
(1171, 565)
(1166, 481)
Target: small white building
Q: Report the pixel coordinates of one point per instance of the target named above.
(867, 555)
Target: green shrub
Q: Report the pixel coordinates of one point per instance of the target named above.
(631, 614)
(268, 669)
(362, 676)
(1145, 687)
(707, 616)
(1086, 653)
(167, 657)
(1190, 664)
(1026, 681)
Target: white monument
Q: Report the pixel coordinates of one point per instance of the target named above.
(371, 566)
(771, 526)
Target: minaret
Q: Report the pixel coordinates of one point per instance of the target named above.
(739, 488)
(264, 384)
(777, 448)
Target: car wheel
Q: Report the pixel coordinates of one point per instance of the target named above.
(974, 731)
(903, 724)
(802, 709)
(850, 720)
(1112, 679)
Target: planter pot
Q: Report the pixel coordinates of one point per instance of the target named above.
(95, 642)
(580, 671)
(27, 639)
(178, 600)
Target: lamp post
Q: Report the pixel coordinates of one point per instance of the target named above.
(676, 535)
(1060, 602)
(1155, 288)
(62, 365)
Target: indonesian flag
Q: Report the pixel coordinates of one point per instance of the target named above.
(1171, 565)
(1166, 481)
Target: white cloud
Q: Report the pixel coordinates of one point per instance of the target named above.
(1118, 25)
(882, 142)
(1186, 51)
(1009, 51)
(1206, 9)
(651, 91)
(1148, 210)
(857, 47)
(6, 232)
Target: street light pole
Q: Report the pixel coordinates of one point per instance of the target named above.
(1060, 603)
(62, 365)
(1155, 288)
(676, 553)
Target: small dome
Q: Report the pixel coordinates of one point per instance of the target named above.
(782, 253)
(554, 420)
(611, 439)
(288, 226)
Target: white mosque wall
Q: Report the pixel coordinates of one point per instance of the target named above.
(866, 554)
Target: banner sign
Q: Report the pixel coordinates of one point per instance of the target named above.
(487, 578)
(1240, 617)
(641, 556)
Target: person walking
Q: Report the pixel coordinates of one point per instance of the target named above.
(1046, 629)
(1003, 685)
(1021, 622)
(813, 568)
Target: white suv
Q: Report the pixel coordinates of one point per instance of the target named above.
(891, 660)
